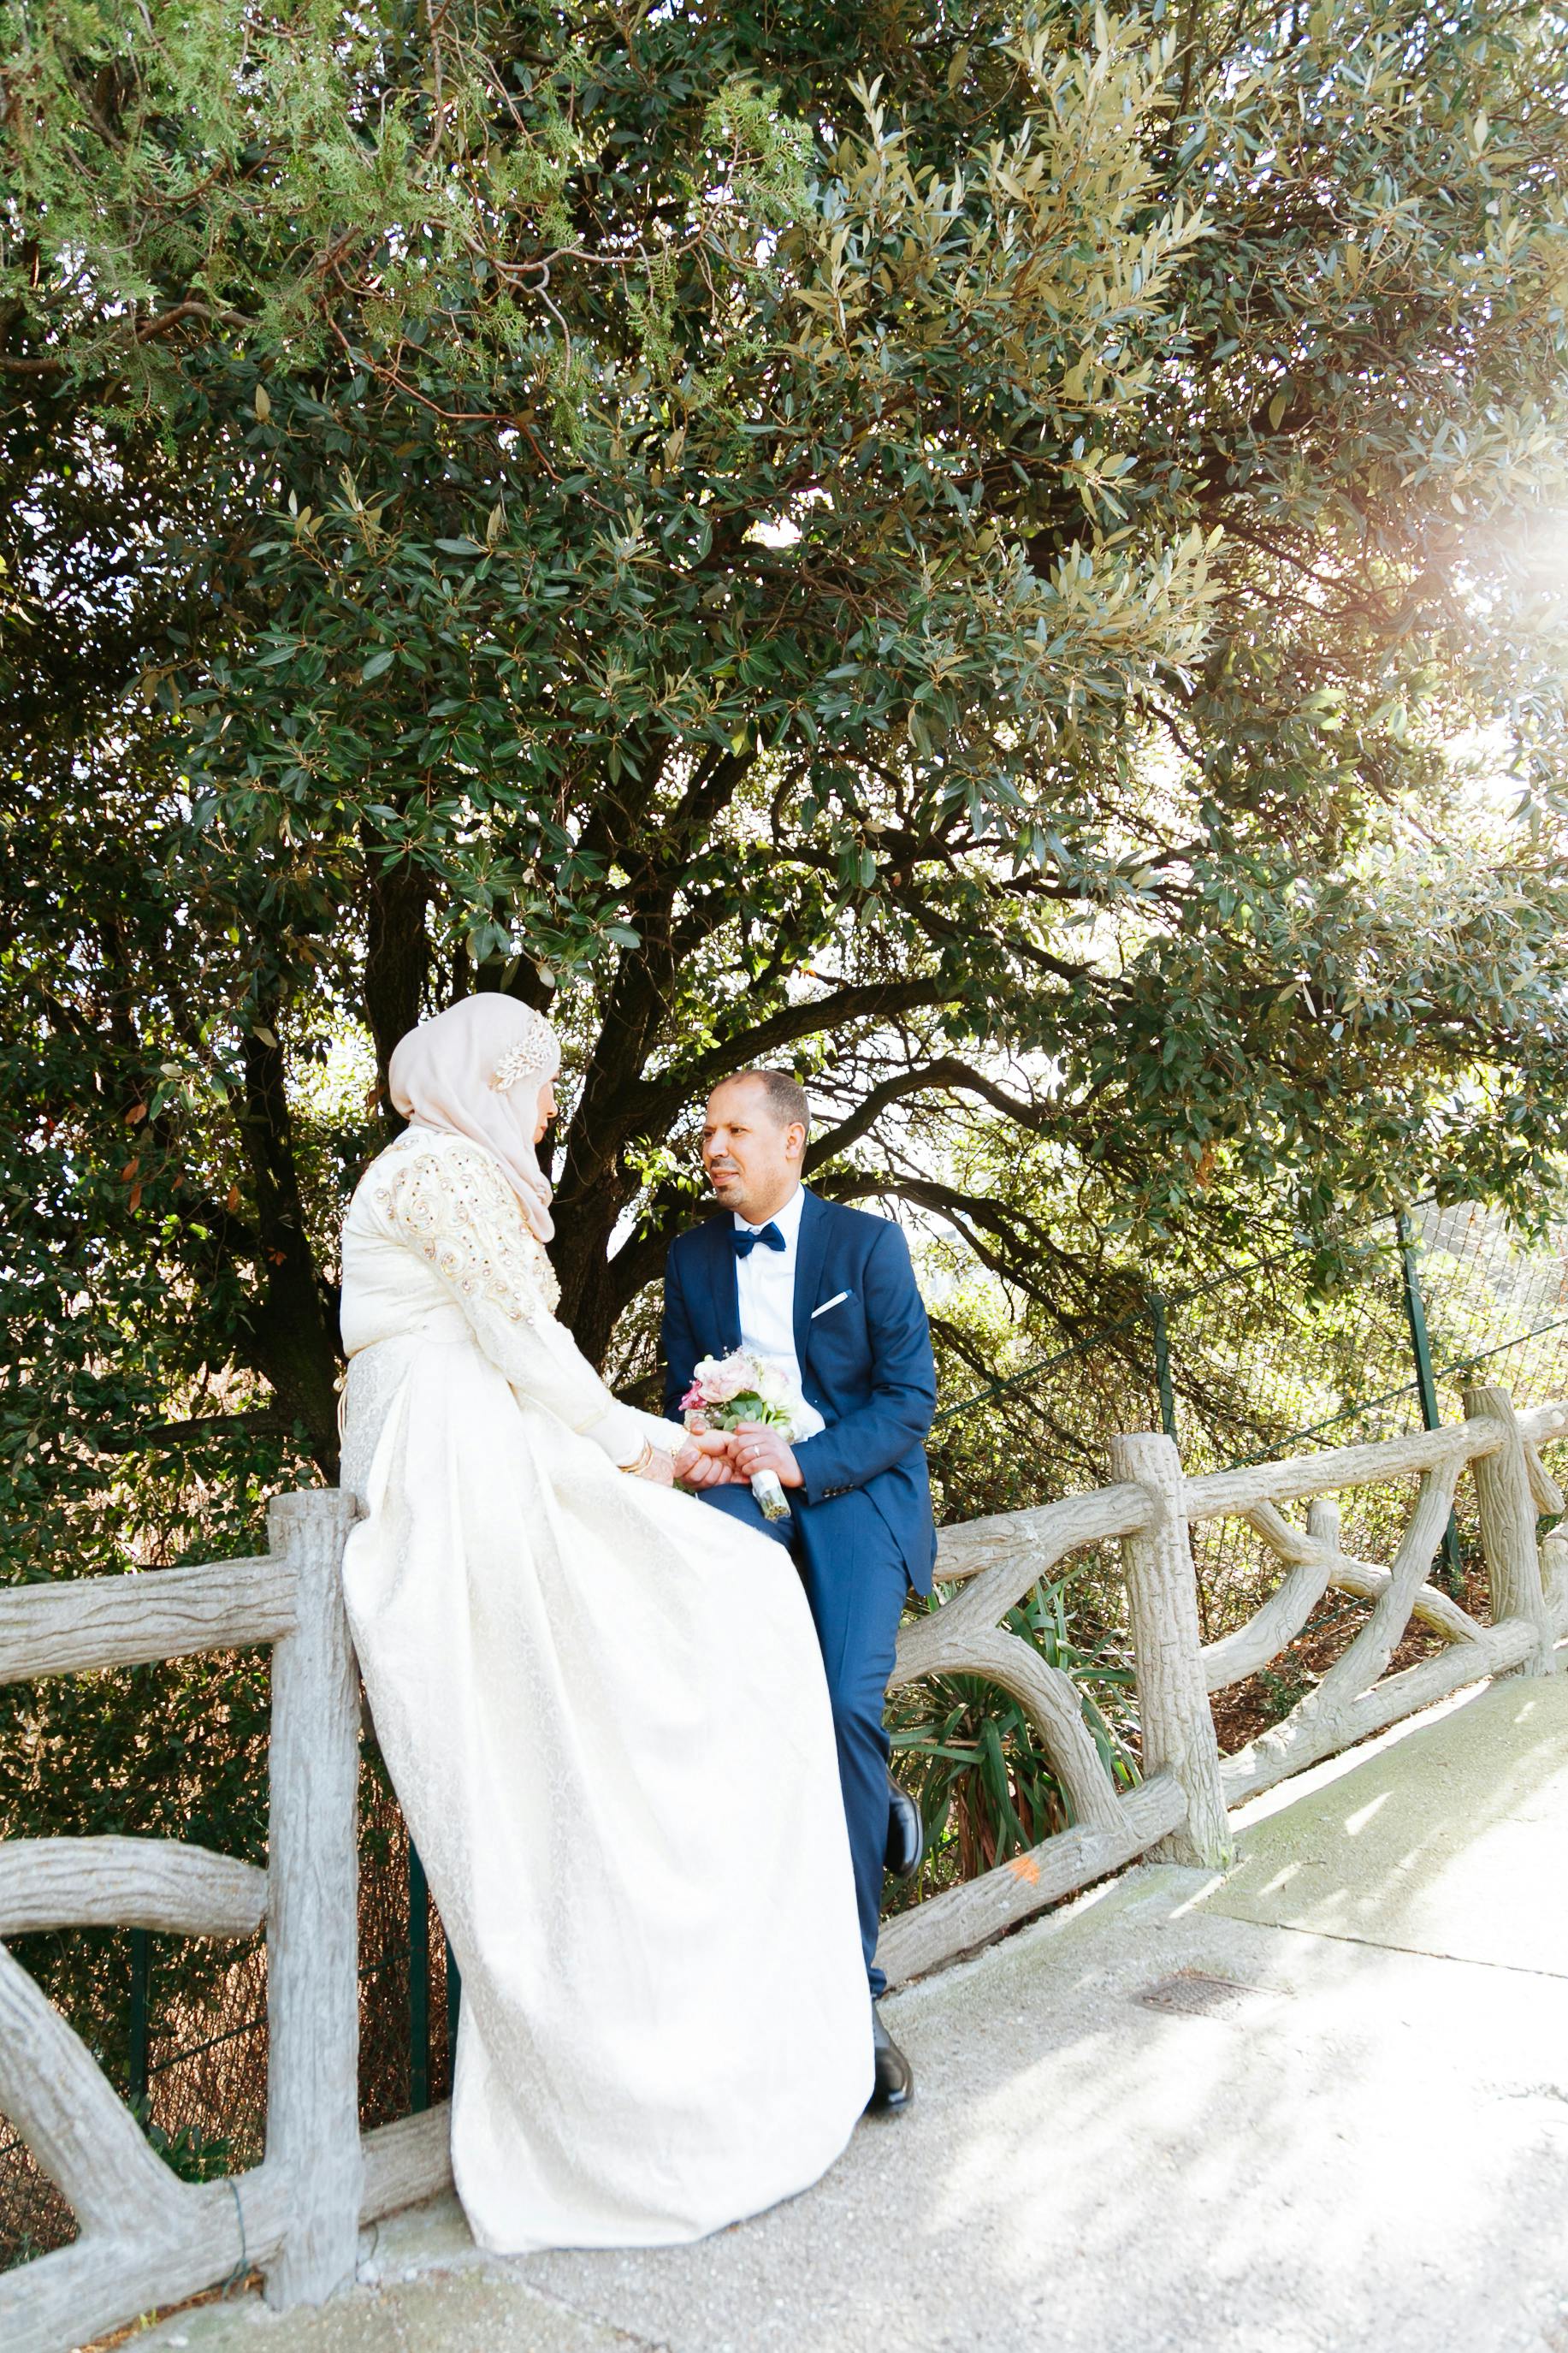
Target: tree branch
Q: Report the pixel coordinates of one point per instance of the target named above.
(1017, 1262)
(946, 1072)
(661, 1099)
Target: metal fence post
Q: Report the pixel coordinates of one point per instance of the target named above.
(419, 1983)
(1163, 1363)
(1425, 1383)
(454, 2011)
(141, 1974)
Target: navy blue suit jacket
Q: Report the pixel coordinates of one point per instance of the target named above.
(866, 1360)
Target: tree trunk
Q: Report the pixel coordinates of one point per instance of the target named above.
(591, 1297)
(397, 958)
(293, 1344)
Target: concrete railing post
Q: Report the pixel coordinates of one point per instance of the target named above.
(1173, 1697)
(312, 1928)
(1507, 1507)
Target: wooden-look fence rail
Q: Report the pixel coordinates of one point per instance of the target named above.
(147, 2239)
(1179, 1808)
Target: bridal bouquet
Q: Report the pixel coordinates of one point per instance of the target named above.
(728, 1390)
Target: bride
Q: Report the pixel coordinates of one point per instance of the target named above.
(602, 1707)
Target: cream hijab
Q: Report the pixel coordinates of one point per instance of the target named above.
(477, 1069)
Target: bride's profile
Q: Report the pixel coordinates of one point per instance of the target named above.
(602, 1707)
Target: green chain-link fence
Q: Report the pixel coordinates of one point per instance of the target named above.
(1254, 1365)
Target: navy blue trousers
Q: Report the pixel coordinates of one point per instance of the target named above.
(856, 1583)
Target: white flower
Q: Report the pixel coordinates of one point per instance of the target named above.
(774, 1386)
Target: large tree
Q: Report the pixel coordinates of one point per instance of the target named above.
(950, 547)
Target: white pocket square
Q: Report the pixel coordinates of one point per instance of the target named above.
(837, 1301)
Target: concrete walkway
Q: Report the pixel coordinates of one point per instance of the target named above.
(1318, 2108)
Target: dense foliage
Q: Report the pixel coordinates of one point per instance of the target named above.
(950, 545)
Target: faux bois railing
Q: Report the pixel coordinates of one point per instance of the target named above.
(144, 2237)
(1179, 1808)
(148, 2239)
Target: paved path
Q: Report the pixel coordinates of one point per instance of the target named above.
(1318, 2107)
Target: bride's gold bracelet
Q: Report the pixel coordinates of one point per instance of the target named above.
(635, 1470)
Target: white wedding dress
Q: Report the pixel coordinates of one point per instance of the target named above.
(603, 1711)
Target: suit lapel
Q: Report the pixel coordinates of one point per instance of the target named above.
(810, 1246)
(723, 1292)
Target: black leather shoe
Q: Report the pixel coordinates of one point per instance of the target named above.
(895, 2085)
(906, 1833)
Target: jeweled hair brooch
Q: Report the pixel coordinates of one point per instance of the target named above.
(534, 1054)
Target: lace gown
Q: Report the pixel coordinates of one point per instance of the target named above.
(604, 1712)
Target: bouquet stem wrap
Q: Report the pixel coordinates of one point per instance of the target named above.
(772, 1500)
(728, 1390)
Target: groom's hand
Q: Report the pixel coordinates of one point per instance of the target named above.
(754, 1447)
(704, 1462)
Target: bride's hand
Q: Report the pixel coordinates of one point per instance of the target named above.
(703, 1460)
(658, 1467)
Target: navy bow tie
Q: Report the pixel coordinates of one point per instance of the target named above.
(770, 1238)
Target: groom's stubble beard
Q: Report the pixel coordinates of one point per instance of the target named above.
(727, 1185)
(755, 1196)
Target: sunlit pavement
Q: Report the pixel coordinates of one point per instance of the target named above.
(1323, 2105)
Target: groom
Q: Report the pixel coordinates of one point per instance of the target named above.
(829, 1293)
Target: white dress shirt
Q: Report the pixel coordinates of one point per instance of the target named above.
(765, 1280)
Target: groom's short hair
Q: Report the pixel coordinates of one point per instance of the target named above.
(787, 1099)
